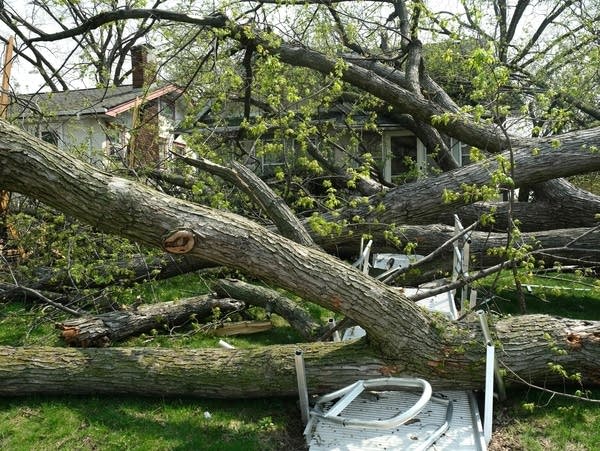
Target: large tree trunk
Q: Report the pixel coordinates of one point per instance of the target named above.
(529, 343)
(132, 210)
(557, 205)
(429, 238)
(411, 340)
(535, 161)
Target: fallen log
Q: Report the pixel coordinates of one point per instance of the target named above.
(421, 342)
(106, 328)
(527, 345)
(273, 302)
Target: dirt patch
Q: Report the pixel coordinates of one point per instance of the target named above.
(503, 436)
(503, 440)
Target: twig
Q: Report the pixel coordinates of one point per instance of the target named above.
(12, 274)
(57, 305)
(394, 273)
(547, 390)
(460, 283)
(343, 323)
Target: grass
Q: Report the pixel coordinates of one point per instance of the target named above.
(531, 419)
(126, 423)
(528, 420)
(562, 294)
(536, 421)
(133, 423)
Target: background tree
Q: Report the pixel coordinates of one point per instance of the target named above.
(100, 56)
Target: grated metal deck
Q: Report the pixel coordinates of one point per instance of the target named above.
(464, 433)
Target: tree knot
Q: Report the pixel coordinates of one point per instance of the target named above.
(179, 242)
(574, 341)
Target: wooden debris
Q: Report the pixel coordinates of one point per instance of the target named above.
(242, 328)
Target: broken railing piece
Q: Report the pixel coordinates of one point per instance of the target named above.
(242, 328)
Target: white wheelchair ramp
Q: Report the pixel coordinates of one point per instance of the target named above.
(464, 429)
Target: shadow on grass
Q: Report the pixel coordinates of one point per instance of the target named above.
(130, 423)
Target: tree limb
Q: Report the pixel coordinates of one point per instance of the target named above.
(249, 183)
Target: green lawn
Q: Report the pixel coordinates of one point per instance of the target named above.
(528, 420)
(126, 423)
(536, 421)
(562, 294)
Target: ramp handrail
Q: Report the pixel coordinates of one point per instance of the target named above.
(347, 394)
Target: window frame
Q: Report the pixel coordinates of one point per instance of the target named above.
(387, 153)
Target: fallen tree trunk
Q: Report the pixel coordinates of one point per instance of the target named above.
(106, 328)
(262, 196)
(399, 331)
(426, 200)
(557, 205)
(529, 344)
(428, 238)
(345, 245)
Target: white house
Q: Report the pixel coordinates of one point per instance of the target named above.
(134, 123)
(398, 153)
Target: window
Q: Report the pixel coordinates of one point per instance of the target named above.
(50, 136)
(460, 151)
(268, 153)
(115, 144)
(167, 109)
(404, 156)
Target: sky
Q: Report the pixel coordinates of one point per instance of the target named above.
(25, 79)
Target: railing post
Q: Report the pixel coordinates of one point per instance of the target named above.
(302, 387)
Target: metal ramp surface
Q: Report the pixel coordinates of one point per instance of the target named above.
(464, 433)
(365, 420)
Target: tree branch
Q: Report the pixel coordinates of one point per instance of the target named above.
(273, 206)
(216, 20)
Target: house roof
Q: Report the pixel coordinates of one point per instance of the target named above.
(109, 101)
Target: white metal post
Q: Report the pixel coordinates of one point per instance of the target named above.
(488, 407)
(302, 387)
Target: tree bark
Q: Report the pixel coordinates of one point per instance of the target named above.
(535, 161)
(132, 210)
(106, 328)
(528, 345)
(260, 193)
(460, 126)
(430, 237)
(557, 205)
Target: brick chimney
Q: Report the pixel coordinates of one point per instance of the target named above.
(141, 66)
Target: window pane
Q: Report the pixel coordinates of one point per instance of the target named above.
(50, 136)
(404, 149)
